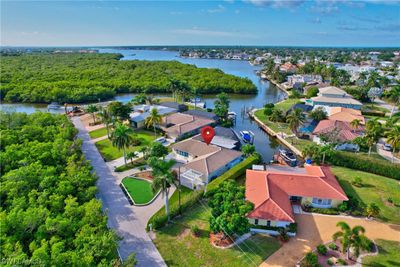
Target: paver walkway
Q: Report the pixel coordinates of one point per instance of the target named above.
(314, 229)
(128, 222)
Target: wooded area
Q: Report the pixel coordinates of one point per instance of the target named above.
(77, 78)
(49, 214)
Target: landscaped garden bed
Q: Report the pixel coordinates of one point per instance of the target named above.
(139, 190)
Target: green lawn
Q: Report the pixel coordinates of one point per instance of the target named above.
(288, 103)
(139, 190)
(376, 189)
(179, 247)
(275, 126)
(98, 133)
(109, 152)
(375, 107)
(388, 254)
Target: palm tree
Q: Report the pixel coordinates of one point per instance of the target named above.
(121, 137)
(355, 124)
(153, 119)
(373, 132)
(248, 150)
(106, 119)
(277, 115)
(393, 138)
(372, 210)
(295, 119)
(130, 155)
(92, 109)
(394, 97)
(351, 238)
(144, 150)
(163, 179)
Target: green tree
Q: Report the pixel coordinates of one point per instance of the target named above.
(92, 109)
(295, 119)
(393, 138)
(311, 92)
(373, 131)
(163, 179)
(372, 210)
(139, 99)
(221, 106)
(106, 119)
(157, 150)
(248, 150)
(121, 137)
(355, 124)
(153, 120)
(119, 111)
(351, 238)
(277, 115)
(229, 209)
(318, 114)
(130, 155)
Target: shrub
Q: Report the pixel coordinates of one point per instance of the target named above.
(311, 260)
(375, 113)
(390, 200)
(366, 164)
(330, 211)
(357, 182)
(268, 111)
(344, 206)
(311, 92)
(283, 236)
(333, 246)
(195, 230)
(292, 228)
(341, 262)
(322, 250)
(269, 105)
(233, 173)
(329, 262)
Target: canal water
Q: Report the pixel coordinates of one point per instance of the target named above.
(267, 93)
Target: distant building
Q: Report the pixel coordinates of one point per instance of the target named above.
(346, 114)
(334, 97)
(175, 105)
(141, 112)
(336, 131)
(288, 68)
(202, 113)
(307, 79)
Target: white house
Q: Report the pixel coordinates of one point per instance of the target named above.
(141, 112)
(335, 97)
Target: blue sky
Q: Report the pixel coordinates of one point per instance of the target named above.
(233, 22)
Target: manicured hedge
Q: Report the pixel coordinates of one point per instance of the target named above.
(159, 219)
(233, 173)
(366, 164)
(376, 113)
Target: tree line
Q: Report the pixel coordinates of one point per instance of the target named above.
(49, 214)
(78, 78)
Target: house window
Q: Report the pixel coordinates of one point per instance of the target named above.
(268, 223)
(256, 221)
(183, 153)
(321, 201)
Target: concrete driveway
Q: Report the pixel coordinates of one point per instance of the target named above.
(128, 222)
(315, 229)
(386, 154)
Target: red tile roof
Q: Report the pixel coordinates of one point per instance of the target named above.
(344, 130)
(270, 191)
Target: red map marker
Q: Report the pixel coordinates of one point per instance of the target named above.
(207, 133)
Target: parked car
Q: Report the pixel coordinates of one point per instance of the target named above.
(161, 140)
(387, 147)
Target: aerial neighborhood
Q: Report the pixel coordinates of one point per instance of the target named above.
(301, 169)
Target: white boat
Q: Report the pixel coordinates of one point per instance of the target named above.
(53, 105)
(288, 156)
(247, 136)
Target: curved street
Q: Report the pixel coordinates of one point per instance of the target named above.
(129, 222)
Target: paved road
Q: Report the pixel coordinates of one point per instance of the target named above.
(124, 219)
(386, 105)
(315, 229)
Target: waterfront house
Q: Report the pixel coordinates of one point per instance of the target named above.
(179, 126)
(274, 192)
(297, 81)
(336, 131)
(288, 68)
(332, 96)
(345, 114)
(203, 114)
(141, 112)
(224, 137)
(201, 162)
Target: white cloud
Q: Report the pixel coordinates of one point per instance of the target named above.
(220, 9)
(277, 3)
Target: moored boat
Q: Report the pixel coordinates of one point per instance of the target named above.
(288, 156)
